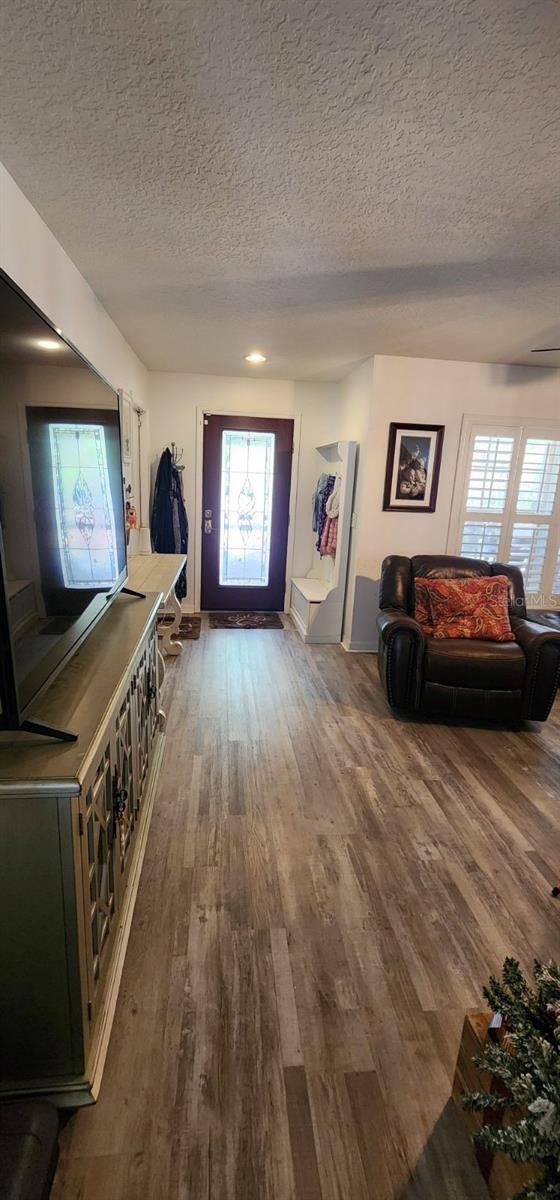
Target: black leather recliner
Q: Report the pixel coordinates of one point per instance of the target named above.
(495, 681)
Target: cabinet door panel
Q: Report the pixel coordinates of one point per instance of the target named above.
(153, 669)
(142, 741)
(37, 1019)
(125, 806)
(145, 718)
(99, 869)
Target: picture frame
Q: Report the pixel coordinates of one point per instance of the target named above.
(413, 466)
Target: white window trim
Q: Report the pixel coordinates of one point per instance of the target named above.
(519, 429)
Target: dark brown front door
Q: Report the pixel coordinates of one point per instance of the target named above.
(245, 512)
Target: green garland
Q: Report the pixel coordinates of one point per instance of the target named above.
(530, 1070)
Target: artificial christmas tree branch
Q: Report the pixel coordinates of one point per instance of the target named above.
(527, 1065)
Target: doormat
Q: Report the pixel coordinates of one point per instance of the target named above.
(189, 627)
(244, 620)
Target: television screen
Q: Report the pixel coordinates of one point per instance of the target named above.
(61, 499)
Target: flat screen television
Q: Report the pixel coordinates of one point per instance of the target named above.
(62, 523)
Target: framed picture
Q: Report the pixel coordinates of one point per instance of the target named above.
(413, 463)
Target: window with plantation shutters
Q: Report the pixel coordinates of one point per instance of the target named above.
(507, 502)
(556, 584)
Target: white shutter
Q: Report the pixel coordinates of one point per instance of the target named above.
(534, 514)
(539, 477)
(556, 583)
(489, 473)
(507, 507)
(481, 539)
(528, 551)
(486, 489)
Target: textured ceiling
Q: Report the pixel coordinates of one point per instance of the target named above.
(320, 179)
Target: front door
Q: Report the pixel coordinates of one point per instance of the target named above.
(246, 477)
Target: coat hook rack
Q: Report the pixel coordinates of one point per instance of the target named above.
(177, 456)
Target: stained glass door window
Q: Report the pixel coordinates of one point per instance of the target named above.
(84, 507)
(247, 478)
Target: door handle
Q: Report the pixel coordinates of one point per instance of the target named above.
(208, 526)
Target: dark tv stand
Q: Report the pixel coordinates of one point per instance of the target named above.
(132, 592)
(61, 735)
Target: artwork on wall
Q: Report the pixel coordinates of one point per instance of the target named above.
(413, 463)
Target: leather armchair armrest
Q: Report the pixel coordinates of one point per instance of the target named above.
(541, 647)
(400, 657)
(391, 620)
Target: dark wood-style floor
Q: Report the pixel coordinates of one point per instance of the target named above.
(325, 891)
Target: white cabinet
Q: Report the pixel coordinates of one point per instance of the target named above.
(317, 599)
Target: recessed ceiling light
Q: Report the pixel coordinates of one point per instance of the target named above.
(47, 344)
(255, 357)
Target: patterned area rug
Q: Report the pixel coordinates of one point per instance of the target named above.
(244, 620)
(189, 627)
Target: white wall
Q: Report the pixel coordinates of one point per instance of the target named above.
(174, 400)
(35, 260)
(436, 392)
(355, 403)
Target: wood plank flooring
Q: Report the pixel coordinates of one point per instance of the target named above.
(324, 893)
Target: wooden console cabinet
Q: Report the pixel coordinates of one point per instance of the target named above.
(74, 820)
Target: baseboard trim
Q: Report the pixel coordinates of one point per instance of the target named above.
(361, 647)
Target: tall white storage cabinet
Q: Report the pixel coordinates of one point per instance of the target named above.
(317, 599)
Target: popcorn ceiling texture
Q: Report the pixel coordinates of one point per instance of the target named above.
(321, 179)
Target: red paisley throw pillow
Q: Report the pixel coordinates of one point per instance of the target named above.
(476, 607)
(422, 610)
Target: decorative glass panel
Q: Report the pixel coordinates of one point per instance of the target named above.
(246, 508)
(539, 476)
(481, 539)
(489, 474)
(84, 507)
(528, 551)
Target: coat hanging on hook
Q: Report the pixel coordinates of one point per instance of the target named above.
(169, 524)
